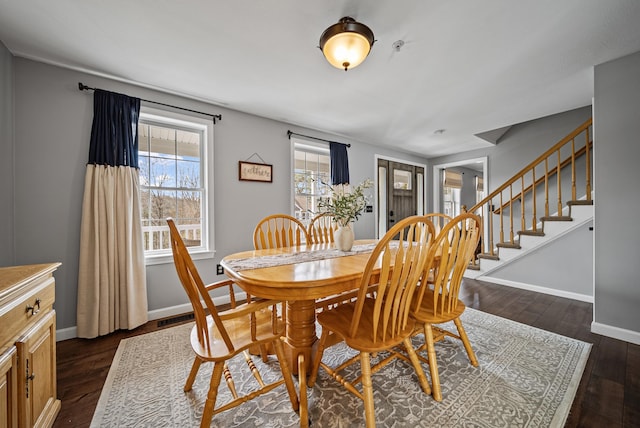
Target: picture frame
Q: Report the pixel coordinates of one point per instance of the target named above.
(251, 171)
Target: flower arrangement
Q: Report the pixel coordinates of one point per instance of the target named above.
(345, 205)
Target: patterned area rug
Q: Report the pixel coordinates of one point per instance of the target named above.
(527, 378)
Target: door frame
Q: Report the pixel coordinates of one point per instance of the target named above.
(437, 170)
(376, 192)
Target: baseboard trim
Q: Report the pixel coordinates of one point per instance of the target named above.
(616, 332)
(72, 332)
(537, 288)
(170, 311)
(66, 333)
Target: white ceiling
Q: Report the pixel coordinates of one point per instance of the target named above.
(467, 66)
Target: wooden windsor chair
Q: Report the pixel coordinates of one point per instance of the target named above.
(437, 301)
(379, 321)
(439, 220)
(222, 335)
(321, 229)
(279, 230)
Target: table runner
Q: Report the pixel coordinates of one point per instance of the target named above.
(299, 257)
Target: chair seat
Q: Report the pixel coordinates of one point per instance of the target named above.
(338, 320)
(425, 313)
(239, 330)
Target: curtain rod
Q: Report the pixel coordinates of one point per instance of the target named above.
(84, 87)
(290, 133)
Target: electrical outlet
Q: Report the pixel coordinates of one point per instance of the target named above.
(219, 269)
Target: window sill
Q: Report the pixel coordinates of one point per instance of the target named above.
(168, 258)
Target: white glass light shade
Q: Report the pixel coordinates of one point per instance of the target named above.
(346, 50)
(347, 43)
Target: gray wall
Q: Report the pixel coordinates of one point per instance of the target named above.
(565, 264)
(44, 153)
(555, 266)
(521, 144)
(52, 129)
(6, 159)
(616, 154)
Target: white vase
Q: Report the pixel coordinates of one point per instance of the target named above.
(343, 238)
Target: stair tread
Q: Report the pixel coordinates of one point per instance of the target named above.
(557, 218)
(580, 202)
(488, 256)
(508, 245)
(531, 232)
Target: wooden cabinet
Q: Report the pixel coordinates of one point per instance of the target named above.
(8, 393)
(28, 346)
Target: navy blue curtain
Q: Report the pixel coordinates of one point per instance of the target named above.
(114, 132)
(339, 163)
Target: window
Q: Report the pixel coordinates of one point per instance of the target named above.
(451, 185)
(311, 178)
(173, 181)
(451, 196)
(479, 189)
(402, 179)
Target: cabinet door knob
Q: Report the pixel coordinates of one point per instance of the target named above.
(35, 308)
(28, 378)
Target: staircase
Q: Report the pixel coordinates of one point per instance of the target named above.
(574, 216)
(512, 226)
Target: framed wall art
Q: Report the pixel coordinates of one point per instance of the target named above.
(250, 171)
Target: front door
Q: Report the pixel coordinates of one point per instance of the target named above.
(400, 192)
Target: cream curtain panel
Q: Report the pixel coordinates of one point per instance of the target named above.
(111, 279)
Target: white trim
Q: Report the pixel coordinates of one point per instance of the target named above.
(292, 177)
(594, 159)
(439, 167)
(164, 259)
(66, 333)
(71, 332)
(170, 311)
(381, 225)
(206, 125)
(310, 146)
(404, 161)
(616, 332)
(537, 288)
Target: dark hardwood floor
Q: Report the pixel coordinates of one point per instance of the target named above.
(608, 395)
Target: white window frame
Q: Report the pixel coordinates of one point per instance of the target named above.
(310, 147)
(165, 117)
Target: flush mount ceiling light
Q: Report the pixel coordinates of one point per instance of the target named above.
(347, 43)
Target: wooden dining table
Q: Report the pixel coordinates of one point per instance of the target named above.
(299, 276)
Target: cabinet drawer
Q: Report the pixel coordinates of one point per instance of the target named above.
(26, 309)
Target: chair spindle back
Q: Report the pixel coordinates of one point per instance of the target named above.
(279, 230)
(195, 289)
(402, 262)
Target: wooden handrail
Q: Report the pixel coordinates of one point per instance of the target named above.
(553, 171)
(551, 155)
(533, 164)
